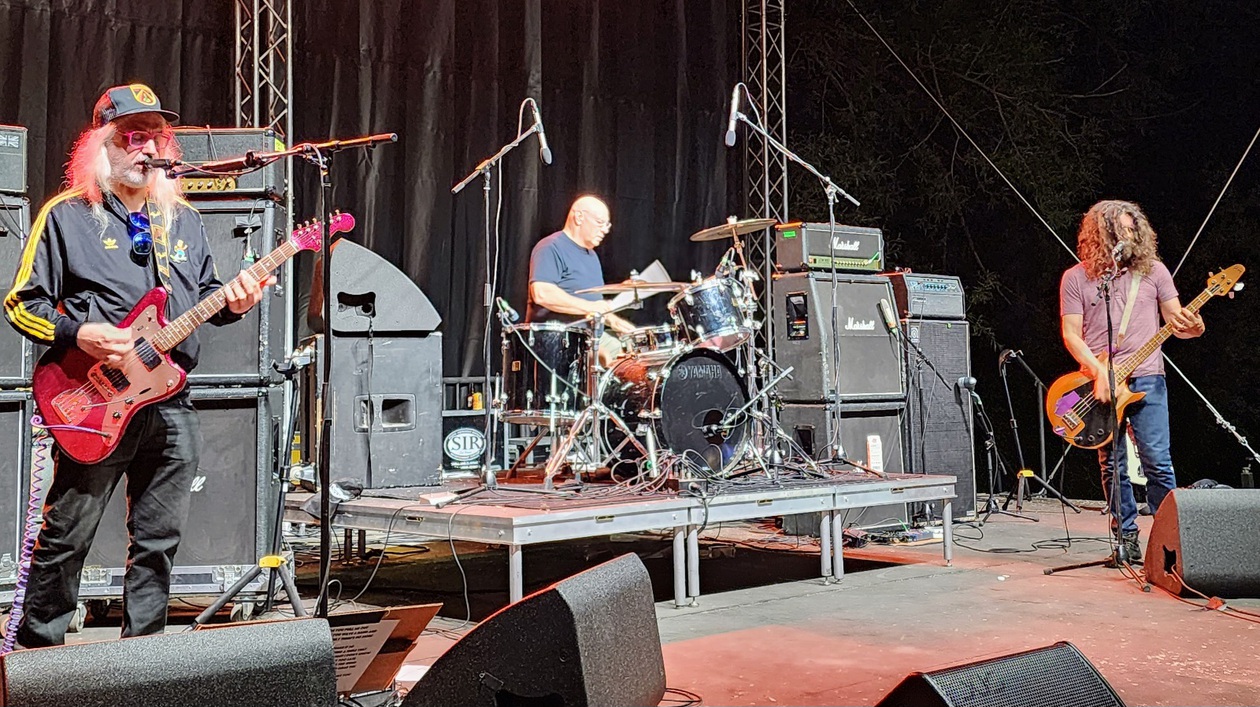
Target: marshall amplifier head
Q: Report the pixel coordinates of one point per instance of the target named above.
(814, 246)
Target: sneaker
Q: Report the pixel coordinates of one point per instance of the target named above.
(1132, 547)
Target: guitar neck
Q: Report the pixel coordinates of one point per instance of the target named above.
(1131, 363)
(184, 325)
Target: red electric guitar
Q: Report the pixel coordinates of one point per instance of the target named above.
(86, 404)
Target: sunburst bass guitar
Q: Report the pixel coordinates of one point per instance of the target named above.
(1079, 418)
(86, 404)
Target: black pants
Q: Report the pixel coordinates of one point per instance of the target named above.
(158, 454)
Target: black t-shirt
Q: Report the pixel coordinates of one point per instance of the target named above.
(562, 262)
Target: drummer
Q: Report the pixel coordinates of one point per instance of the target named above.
(566, 262)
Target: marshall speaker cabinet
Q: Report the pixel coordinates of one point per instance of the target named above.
(850, 345)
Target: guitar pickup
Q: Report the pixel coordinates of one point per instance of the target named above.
(109, 381)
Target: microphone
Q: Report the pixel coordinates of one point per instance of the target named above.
(890, 322)
(1120, 251)
(966, 383)
(154, 163)
(730, 124)
(507, 309)
(543, 150)
(1006, 355)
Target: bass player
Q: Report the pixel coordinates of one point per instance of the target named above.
(1117, 235)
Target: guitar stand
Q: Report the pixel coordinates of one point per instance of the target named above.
(278, 565)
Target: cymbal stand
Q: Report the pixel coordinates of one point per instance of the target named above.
(591, 415)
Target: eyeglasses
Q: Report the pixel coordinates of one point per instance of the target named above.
(603, 224)
(137, 139)
(141, 236)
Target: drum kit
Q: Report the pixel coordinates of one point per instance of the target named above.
(679, 402)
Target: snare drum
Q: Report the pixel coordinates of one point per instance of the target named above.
(544, 372)
(651, 339)
(709, 314)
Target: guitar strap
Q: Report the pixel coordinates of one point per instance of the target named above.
(161, 244)
(1124, 319)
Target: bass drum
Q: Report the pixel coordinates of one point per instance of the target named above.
(684, 397)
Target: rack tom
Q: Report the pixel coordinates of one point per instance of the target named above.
(709, 313)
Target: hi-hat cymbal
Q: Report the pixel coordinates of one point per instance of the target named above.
(732, 229)
(643, 288)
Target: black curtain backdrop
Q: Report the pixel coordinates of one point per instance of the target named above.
(633, 94)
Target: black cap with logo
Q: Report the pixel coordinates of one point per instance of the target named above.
(128, 100)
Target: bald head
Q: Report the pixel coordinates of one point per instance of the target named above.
(588, 221)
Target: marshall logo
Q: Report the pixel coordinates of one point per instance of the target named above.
(859, 325)
(198, 484)
(851, 246)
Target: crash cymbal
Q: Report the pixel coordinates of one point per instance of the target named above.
(732, 229)
(643, 288)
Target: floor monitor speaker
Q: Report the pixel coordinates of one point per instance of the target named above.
(273, 664)
(1206, 538)
(588, 640)
(1054, 676)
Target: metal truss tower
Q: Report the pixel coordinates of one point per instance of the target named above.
(264, 65)
(765, 65)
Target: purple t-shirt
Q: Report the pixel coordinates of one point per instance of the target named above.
(1079, 295)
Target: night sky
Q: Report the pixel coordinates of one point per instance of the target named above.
(1074, 102)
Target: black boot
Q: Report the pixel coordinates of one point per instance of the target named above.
(1131, 547)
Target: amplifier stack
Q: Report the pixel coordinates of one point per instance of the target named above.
(859, 389)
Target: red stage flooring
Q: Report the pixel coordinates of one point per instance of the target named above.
(805, 643)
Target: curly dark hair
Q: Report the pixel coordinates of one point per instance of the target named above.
(1098, 236)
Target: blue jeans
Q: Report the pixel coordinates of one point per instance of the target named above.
(1149, 420)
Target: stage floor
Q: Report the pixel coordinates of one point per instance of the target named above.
(898, 609)
(768, 631)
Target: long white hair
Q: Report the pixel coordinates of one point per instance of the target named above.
(88, 172)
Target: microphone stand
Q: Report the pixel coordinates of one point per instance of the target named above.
(833, 192)
(319, 155)
(1039, 391)
(1017, 493)
(483, 170)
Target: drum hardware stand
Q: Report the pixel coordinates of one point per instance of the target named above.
(591, 415)
(1025, 474)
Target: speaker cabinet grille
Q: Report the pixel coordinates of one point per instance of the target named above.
(241, 353)
(938, 419)
(233, 500)
(16, 353)
(1054, 676)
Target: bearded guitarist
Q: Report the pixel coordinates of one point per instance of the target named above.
(118, 231)
(1116, 234)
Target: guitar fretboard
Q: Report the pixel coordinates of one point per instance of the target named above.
(1131, 363)
(184, 325)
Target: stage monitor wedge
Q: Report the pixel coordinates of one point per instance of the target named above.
(1053, 676)
(587, 641)
(271, 664)
(1207, 538)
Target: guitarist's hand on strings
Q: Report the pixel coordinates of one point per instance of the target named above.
(1186, 324)
(105, 342)
(243, 292)
(1102, 389)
